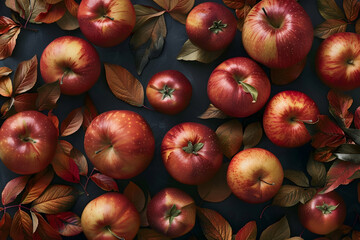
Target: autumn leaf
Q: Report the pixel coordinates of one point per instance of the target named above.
(329, 27)
(5, 225)
(241, 14)
(357, 118)
(324, 154)
(49, 93)
(54, 13)
(355, 235)
(89, 111)
(234, 4)
(5, 71)
(317, 171)
(247, 232)
(144, 222)
(178, 9)
(8, 42)
(230, 135)
(35, 221)
(351, 8)
(277, 231)
(213, 225)
(21, 227)
(190, 52)
(339, 105)
(348, 152)
(282, 76)
(136, 195)
(252, 135)
(12, 189)
(45, 230)
(124, 85)
(80, 161)
(25, 102)
(72, 7)
(216, 189)
(106, 183)
(150, 234)
(66, 223)
(7, 108)
(25, 75)
(6, 24)
(339, 233)
(328, 133)
(297, 177)
(328, 9)
(289, 195)
(28, 10)
(68, 22)
(6, 89)
(213, 112)
(72, 122)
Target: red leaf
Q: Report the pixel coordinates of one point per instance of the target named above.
(89, 111)
(80, 161)
(351, 8)
(25, 102)
(213, 224)
(49, 93)
(5, 225)
(6, 89)
(72, 122)
(247, 232)
(72, 7)
(324, 154)
(54, 119)
(45, 230)
(66, 223)
(25, 75)
(8, 42)
(21, 227)
(13, 188)
(339, 105)
(6, 24)
(54, 13)
(357, 118)
(328, 135)
(64, 166)
(106, 183)
(339, 174)
(241, 14)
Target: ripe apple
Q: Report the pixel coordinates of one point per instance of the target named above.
(255, 175)
(277, 33)
(284, 116)
(238, 87)
(338, 61)
(119, 143)
(106, 23)
(28, 142)
(110, 216)
(171, 212)
(73, 61)
(191, 153)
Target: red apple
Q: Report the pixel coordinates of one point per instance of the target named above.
(73, 61)
(238, 87)
(284, 116)
(191, 153)
(171, 212)
(338, 61)
(277, 33)
(106, 23)
(119, 143)
(28, 142)
(255, 175)
(110, 216)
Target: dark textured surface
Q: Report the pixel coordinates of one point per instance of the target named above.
(155, 176)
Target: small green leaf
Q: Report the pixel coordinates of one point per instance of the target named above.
(327, 209)
(193, 148)
(172, 213)
(250, 89)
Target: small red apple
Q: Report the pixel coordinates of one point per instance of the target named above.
(171, 212)
(28, 142)
(284, 116)
(110, 216)
(73, 61)
(255, 175)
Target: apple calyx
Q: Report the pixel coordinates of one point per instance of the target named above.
(326, 209)
(247, 88)
(172, 213)
(193, 148)
(107, 228)
(217, 26)
(166, 92)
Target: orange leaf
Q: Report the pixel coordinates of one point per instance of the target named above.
(247, 232)
(330, 27)
(54, 13)
(13, 188)
(37, 185)
(55, 199)
(80, 161)
(241, 14)
(277, 231)
(5, 71)
(178, 9)
(25, 75)
(124, 85)
(89, 111)
(5, 225)
(234, 4)
(136, 195)
(150, 234)
(212, 112)
(8, 42)
(104, 182)
(25, 102)
(49, 93)
(54, 119)
(72, 122)
(328, 135)
(214, 225)
(230, 135)
(282, 76)
(6, 89)
(66, 223)
(21, 227)
(72, 7)
(6, 108)
(339, 105)
(45, 230)
(68, 22)
(351, 8)
(324, 154)
(6, 24)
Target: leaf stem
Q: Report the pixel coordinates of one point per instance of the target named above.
(263, 211)
(148, 108)
(17, 206)
(87, 182)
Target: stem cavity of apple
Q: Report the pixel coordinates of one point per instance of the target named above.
(193, 148)
(166, 91)
(172, 213)
(217, 26)
(327, 209)
(112, 233)
(29, 139)
(271, 20)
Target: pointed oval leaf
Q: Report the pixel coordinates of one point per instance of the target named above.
(72, 7)
(104, 182)
(136, 195)
(317, 171)
(216, 189)
(6, 89)
(329, 9)
(25, 75)
(5, 225)
(247, 232)
(143, 14)
(68, 22)
(287, 196)
(25, 102)
(7, 108)
(80, 161)
(178, 9)
(13, 188)
(214, 225)
(339, 105)
(329, 27)
(54, 13)
(230, 135)
(89, 111)
(190, 52)
(55, 199)
(5, 71)
(277, 231)
(21, 227)
(66, 223)
(351, 8)
(329, 134)
(49, 93)
(297, 177)
(6, 24)
(72, 122)
(124, 85)
(147, 234)
(252, 135)
(8, 42)
(35, 221)
(212, 112)
(45, 230)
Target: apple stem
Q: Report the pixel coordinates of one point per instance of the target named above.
(265, 12)
(29, 139)
(272, 184)
(112, 233)
(106, 16)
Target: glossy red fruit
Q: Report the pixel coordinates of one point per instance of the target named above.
(211, 26)
(169, 92)
(191, 153)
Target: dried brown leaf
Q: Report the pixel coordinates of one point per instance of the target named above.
(25, 75)
(25, 102)
(252, 135)
(6, 89)
(5, 71)
(317, 171)
(21, 227)
(8, 42)
(66, 223)
(213, 112)
(214, 226)
(190, 52)
(277, 231)
(330, 27)
(54, 13)
(234, 4)
(136, 195)
(297, 177)
(178, 9)
(6, 24)
(247, 232)
(5, 225)
(72, 7)
(72, 122)
(12, 189)
(89, 111)
(49, 93)
(230, 135)
(45, 230)
(351, 8)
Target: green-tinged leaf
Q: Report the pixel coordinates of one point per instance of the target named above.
(190, 52)
(252, 135)
(329, 27)
(178, 9)
(136, 195)
(250, 89)
(213, 225)
(297, 177)
(213, 112)
(66, 223)
(72, 122)
(351, 8)
(230, 135)
(25, 75)
(21, 227)
(49, 93)
(150, 234)
(45, 230)
(317, 171)
(124, 85)
(329, 9)
(104, 182)
(55, 199)
(277, 231)
(247, 232)
(12, 189)
(5, 225)
(68, 22)
(35, 221)
(8, 42)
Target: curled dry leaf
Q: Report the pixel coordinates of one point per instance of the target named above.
(213, 112)
(45, 230)
(190, 52)
(72, 122)
(328, 9)
(124, 85)
(351, 8)
(277, 231)
(89, 111)
(230, 135)
(8, 42)
(66, 223)
(54, 13)
(35, 221)
(80, 161)
(21, 227)
(324, 154)
(72, 7)
(147, 234)
(5, 71)
(289, 195)
(104, 182)
(213, 225)
(282, 76)
(317, 171)
(339, 105)
(247, 232)
(12, 189)
(25, 102)
(330, 27)
(297, 177)
(252, 135)
(178, 9)
(7, 108)
(136, 195)
(5, 225)
(25, 75)
(48, 95)
(216, 190)
(68, 22)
